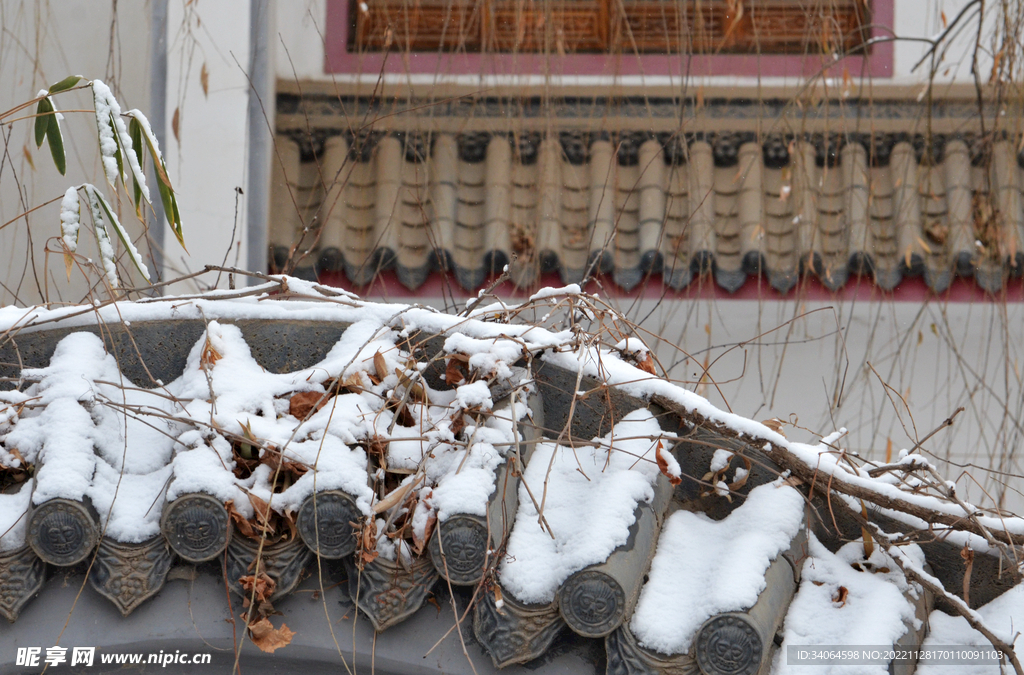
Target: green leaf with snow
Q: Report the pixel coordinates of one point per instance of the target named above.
(167, 197)
(99, 227)
(110, 150)
(43, 113)
(135, 131)
(126, 151)
(98, 205)
(119, 155)
(65, 84)
(47, 127)
(70, 223)
(116, 144)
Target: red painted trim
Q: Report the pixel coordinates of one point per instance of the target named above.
(861, 289)
(338, 59)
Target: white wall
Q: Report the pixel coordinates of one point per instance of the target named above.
(920, 19)
(935, 356)
(300, 47)
(209, 159)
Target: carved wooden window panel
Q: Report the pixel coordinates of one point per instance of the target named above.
(596, 26)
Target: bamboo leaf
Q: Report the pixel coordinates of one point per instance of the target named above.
(106, 106)
(126, 153)
(135, 131)
(171, 209)
(119, 155)
(65, 84)
(99, 228)
(42, 120)
(70, 222)
(133, 253)
(167, 197)
(56, 140)
(154, 146)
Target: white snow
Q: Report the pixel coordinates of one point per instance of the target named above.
(476, 394)
(632, 345)
(244, 402)
(704, 567)
(720, 460)
(592, 493)
(13, 521)
(874, 611)
(489, 357)
(545, 293)
(70, 218)
(1003, 616)
(95, 435)
(61, 437)
(133, 502)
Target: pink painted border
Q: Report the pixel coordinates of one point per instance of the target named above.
(861, 289)
(337, 58)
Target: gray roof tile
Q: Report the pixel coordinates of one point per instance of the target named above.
(811, 209)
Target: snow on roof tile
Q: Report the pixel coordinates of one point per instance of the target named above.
(514, 458)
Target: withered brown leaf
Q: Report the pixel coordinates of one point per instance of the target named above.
(454, 372)
(262, 584)
(209, 356)
(775, 424)
(663, 464)
(367, 542)
(647, 365)
(353, 383)
(458, 422)
(303, 403)
(267, 638)
(380, 366)
(263, 513)
(240, 521)
(967, 553)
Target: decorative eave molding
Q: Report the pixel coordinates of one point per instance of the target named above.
(638, 186)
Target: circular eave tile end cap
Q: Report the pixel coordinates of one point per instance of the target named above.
(62, 532)
(325, 524)
(197, 527)
(728, 645)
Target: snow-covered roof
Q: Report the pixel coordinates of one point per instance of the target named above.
(541, 466)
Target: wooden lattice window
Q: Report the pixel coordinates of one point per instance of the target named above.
(644, 26)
